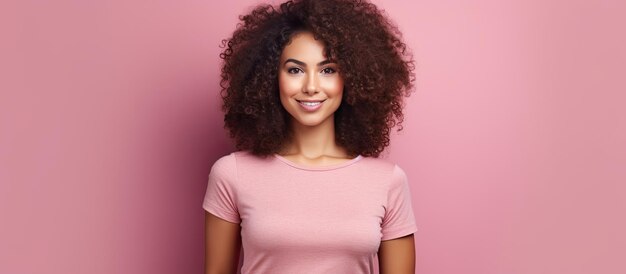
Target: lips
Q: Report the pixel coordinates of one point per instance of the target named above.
(310, 105)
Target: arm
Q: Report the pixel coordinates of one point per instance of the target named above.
(222, 245)
(397, 256)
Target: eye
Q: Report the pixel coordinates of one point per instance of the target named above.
(328, 70)
(294, 70)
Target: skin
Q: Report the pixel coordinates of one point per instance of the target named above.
(304, 74)
(222, 245)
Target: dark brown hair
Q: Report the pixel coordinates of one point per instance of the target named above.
(372, 59)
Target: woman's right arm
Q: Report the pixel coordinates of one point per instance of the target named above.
(222, 245)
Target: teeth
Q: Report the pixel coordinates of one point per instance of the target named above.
(310, 103)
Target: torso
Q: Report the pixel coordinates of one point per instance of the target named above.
(325, 219)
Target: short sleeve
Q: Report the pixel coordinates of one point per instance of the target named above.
(399, 220)
(220, 196)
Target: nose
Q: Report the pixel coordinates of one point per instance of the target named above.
(311, 84)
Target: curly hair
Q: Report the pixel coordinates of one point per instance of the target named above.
(373, 60)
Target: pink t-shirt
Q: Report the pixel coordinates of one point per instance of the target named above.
(307, 219)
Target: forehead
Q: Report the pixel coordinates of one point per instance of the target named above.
(304, 47)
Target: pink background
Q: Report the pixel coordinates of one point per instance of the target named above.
(515, 141)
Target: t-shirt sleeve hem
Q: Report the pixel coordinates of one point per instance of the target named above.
(399, 233)
(215, 210)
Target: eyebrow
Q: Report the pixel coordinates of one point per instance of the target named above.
(327, 61)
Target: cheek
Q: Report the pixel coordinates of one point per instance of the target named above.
(288, 86)
(334, 86)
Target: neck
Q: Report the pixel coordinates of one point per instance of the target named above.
(314, 141)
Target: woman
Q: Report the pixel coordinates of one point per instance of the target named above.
(311, 90)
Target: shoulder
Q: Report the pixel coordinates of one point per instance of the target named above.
(381, 165)
(394, 175)
(226, 161)
(225, 166)
(235, 160)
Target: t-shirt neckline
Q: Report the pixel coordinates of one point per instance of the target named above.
(327, 167)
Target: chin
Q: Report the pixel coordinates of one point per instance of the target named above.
(308, 123)
(311, 122)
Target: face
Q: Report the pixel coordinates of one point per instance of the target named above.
(309, 83)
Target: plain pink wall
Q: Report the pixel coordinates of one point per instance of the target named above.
(515, 140)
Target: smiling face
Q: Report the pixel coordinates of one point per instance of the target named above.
(309, 83)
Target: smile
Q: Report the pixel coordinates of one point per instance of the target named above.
(310, 105)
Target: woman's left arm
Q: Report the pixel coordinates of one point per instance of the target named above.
(397, 256)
